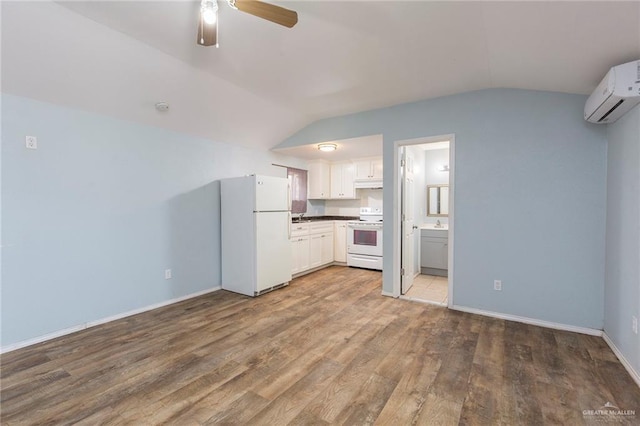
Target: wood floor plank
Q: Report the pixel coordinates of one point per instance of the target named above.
(288, 405)
(327, 349)
(366, 406)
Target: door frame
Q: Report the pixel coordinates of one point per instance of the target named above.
(397, 208)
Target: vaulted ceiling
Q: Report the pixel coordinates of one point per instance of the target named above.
(265, 82)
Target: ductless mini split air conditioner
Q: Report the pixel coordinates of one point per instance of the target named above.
(617, 93)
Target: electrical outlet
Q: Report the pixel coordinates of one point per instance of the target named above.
(497, 285)
(634, 324)
(167, 274)
(31, 142)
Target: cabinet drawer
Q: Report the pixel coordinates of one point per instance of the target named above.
(321, 227)
(299, 229)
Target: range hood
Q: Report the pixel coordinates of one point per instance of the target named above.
(368, 184)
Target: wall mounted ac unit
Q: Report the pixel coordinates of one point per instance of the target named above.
(617, 93)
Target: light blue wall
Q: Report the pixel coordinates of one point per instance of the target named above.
(93, 217)
(622, 283)
(529, 197)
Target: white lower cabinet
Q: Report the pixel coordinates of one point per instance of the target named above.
(340, 241)
(315, 251)
(326, 252)
(300, 254)
(312, 245)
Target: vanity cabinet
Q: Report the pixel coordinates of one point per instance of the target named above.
(434, 252)
(319, 179)
(342, 185)
(368, 169)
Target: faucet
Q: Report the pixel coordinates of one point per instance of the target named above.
(300, 217)
(438, 224)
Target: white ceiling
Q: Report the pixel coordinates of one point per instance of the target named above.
(346, 149)
(265, 81)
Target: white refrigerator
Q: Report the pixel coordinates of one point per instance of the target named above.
(256, 223)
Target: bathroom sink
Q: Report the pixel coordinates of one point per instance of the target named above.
(443, 227)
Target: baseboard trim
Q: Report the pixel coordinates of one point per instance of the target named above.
(530, 321)
(627, 365)
(423, 301)
(75, 328)
(317, 268)
(387, 294)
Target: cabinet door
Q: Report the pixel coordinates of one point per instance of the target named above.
(327, 248)
(348, 187)
(295, 262)
(433, 253)
(300, 254)
(340, 242)
(315, 251)
(319, 180)
(376, 169)
(362, 170)
(342, 180)
(336, 180)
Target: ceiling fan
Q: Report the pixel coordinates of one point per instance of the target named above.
(208, 22)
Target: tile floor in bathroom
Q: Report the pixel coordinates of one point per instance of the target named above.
(429, 288)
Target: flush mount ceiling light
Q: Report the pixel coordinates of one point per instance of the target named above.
(327, 147)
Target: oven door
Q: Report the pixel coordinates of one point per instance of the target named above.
(364, 238)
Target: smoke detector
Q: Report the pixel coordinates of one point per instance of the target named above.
(162, 106)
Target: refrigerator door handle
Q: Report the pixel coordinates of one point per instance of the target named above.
(289, 195)
(289, 225)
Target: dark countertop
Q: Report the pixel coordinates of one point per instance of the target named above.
(321, 218)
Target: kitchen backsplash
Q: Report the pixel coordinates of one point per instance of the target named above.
(367, 198)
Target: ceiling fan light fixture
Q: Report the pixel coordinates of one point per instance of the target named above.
(327, 147)
(209, 11)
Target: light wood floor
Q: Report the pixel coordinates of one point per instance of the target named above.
(328, 349)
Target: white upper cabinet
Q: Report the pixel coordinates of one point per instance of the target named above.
(368, 169)
(342, 175)
(319, 179)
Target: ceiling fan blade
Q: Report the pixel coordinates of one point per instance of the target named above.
(207, 33)
(270, 12)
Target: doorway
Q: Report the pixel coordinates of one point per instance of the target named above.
(423, 219)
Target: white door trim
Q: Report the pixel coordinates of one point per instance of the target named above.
(397, 235)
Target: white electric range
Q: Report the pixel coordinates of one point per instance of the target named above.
(364, 239)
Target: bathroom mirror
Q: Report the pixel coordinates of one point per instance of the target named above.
(437, 200)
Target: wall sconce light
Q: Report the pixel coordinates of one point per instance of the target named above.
(327, 147)
(443, 168)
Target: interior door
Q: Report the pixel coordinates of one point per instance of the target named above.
(408, 230)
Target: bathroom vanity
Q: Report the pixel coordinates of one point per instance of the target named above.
(434, 250)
